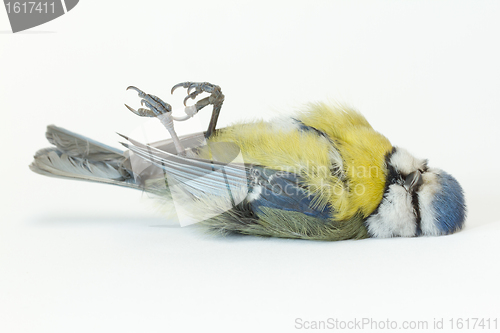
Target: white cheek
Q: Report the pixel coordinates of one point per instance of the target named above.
(425, 195)
(395, 215)
(403, 161)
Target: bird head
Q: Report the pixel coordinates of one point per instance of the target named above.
(418, 200)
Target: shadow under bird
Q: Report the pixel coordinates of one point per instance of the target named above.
(321, 174)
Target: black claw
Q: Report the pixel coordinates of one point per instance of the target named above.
(139, 91)
(178, 85)
(190, 96)
(134, 111)
(191, 86)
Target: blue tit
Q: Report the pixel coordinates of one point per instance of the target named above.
(321, 174)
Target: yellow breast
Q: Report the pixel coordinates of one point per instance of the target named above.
(344, 169)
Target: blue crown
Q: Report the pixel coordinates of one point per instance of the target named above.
(449, 205)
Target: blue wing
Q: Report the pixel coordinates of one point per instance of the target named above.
(266, 187)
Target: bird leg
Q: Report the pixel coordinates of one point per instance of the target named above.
(215, 99)
(159, 109)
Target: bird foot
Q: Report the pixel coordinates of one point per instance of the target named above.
(158, 108)
(215, 99)
(155, 104)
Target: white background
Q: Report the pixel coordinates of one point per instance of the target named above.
(80, 257)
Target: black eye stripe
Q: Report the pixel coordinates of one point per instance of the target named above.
(416, 211)
(396, 177)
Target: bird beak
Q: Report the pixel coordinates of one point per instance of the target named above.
(413, 180)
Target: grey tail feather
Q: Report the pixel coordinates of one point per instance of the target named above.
(80, 158)
(76, 145)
